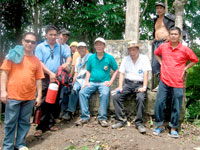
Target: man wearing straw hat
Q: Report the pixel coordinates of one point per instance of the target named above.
(134, 71)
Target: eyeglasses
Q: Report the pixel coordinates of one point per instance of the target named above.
(29, 41)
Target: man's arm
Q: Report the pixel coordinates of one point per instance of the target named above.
(187, 67)
(121, 81)
(145, 82)
(4, 80)
(67, 65)
(109, 83)
(159, 59)
(52, 75)
(87, 82)
(39, 92)
(75, 76)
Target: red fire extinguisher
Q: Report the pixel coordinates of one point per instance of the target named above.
(52, 92)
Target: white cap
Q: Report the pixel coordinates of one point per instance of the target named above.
(100, 40)
(81, 44)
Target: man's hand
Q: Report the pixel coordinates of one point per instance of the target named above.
(107, 83)
(184, 74)
(38, 101)
(4, 97)
(52, 77)
(66, 66)
(142, 89)
(119, 89)
(85, 84)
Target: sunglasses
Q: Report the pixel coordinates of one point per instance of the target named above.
(29, 41)
(52, 55)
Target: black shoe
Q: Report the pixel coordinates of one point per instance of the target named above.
(81, 122)
(141, 129)
(118, 125)
(67, 116)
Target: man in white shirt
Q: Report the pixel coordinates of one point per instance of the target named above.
(134, 71)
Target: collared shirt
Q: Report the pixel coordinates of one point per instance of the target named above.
(135, 71)
(51, 60)
(100, 69)
(173, 63)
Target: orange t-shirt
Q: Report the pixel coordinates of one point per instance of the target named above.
(22, 77)
(75, 56)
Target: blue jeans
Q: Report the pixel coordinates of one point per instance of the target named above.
(176, 102)
(17, 117)
(73, 97)
(85, 94)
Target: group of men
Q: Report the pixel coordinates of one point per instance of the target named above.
(91, 72)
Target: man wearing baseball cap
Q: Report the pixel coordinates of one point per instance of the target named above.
(78, 80)
(134, 71)
(98, 78)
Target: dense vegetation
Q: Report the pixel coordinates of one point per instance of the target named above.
(87, 19)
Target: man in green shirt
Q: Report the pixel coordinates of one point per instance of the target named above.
(97, 78)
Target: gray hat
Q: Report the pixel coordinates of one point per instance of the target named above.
(160, 4)
(64, 31)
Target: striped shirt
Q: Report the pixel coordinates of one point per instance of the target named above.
(173, 63)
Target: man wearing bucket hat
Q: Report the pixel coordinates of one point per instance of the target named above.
(78, 80)
(97, 78)
(134, 73)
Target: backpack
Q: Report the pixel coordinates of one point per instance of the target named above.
(64, 77)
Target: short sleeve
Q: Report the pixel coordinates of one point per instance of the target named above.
(75, 56)
(66, 51)
(122, 66)
(76, 65)
(89, 64)
(113, 64)
(38, 52)
(191, 55)
(39, 72)
(6, 65)
(158, 51)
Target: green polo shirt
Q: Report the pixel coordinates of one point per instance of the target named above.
(100, 69)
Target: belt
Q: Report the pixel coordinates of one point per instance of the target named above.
(134, 81)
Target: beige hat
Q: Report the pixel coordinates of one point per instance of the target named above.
(81, 44)
(100, 40)
(133, 44)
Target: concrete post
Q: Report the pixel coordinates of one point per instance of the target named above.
(132, 20)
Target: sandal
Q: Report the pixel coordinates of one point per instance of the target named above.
(54, 128)
(174, 134)
(157, 131)
(38, 133)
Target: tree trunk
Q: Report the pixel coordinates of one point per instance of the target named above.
(132, 20)
(166, 6)
(179, 12)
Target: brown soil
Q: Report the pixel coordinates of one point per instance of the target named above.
(93, 137)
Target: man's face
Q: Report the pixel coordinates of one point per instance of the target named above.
(133, 51)
(99, 46)
(29, 43)
(82, 50)
(73, 48)
(174, 36)
(160, 10)
(64, 38)
(51, 36)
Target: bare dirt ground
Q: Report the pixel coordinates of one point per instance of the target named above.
(93, 137)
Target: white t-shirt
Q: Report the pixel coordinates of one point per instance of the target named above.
(135, 71)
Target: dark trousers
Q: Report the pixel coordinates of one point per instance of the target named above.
(118, 100)
(49, 111)
(155, 63)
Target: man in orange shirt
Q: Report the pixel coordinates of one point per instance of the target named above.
(19, 81)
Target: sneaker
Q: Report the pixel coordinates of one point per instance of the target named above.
(103, 123)
(23, 148)
(67, 116)
(118, 125)
(174, 134)
(81, 122)
(141, 129)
